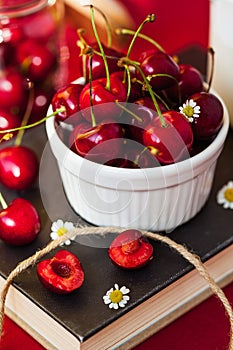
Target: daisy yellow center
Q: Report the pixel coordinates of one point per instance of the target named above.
(61, 231)
(188, 111)
(116, 296)
(228, 194)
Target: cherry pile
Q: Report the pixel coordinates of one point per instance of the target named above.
(137, 113)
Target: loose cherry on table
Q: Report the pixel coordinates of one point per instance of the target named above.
(19, 222)
(130, 250)
(61, 274)
(172, 142)
(18, 167)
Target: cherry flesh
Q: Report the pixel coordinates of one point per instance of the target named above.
(62, 274)
(130, 250)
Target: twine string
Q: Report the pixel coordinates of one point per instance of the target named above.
(190, 257)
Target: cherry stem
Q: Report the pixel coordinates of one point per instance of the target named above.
(91, 99)
(129, 112)
(126, 31)
(212, 53)
(29, 126)
(3, 202)
(149, 18)
(107, 86)
(125, 60)
(108, 28)
(27, 114)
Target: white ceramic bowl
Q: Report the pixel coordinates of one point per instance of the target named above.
(158, 199)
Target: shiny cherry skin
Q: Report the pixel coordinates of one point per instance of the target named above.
(98, 67)
(18, 167)
(145, 110)
(130, 250)
(210, 118)
(190, 82)
(134, 156)
(67, 97)
(8, 121)
(41, 101)
(80, 128)
(170, 143)
(103, 99)
(62, 274)
(13, 90)
(100, 143)
(160, 63)
(37, 61)
(19, 222)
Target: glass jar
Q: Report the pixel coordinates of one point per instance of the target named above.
(30, 32)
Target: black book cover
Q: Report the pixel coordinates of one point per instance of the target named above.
(83, 312)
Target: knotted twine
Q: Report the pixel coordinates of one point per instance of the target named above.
(191, 257)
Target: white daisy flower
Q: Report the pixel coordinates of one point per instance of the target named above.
(190, 110)
(225, 196)
(59, 228)
(117, 297)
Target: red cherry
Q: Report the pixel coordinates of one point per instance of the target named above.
(160, 63)
(61, 274)
(41, 102)
(170, 143)
(133, 156)
(37, 61)
(68, 97)
(145, 109)
(18, 167)
(13, 90)
(11, 32)
(19, 222)
(100, 143)
(98, 67)
(130, 250)
(103, 98)
(81, 128)
(190, 82)
(8, 121)
(210, 119)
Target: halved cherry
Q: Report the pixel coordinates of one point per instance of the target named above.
(130, 250)
(61, 274)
